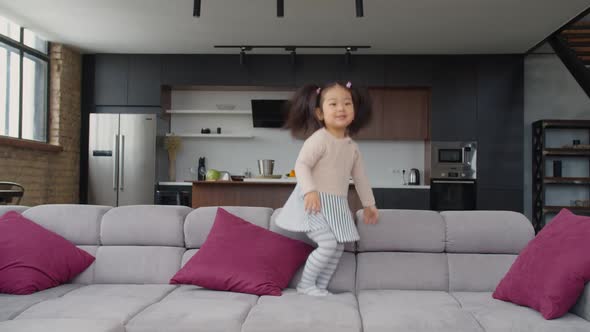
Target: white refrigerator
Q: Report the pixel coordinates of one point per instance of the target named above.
(121, 159)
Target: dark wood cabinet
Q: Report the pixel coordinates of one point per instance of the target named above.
(398, 114)
(374, 130)
(110, 79)
(400, 198)
(144, 81)
(406, 114)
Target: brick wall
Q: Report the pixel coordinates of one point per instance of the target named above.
(52, 177)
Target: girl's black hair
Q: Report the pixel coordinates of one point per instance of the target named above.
(301, 118)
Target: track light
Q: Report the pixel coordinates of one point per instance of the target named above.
(197, 8)
(243, 56)
(280, 8)
(359, 8)
(348, 55)
(292, 54)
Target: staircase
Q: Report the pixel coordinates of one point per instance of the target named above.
(572, 45)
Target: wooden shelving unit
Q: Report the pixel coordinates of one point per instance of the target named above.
(541, 154)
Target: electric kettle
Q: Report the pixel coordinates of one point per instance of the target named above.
(414, 177)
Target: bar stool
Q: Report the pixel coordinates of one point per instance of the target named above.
(11, 193)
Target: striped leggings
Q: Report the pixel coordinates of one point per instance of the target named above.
(322, 262)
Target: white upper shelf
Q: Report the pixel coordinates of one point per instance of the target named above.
(225, 112)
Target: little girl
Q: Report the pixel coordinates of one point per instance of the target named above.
(318, 205)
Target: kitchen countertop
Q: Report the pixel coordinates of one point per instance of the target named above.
(277, 181)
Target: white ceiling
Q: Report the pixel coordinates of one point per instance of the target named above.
(389, 26)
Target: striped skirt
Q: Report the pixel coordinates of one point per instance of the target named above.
(334, 212)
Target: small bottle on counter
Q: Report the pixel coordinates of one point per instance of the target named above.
(202, 172)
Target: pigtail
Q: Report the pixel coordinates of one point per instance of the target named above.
(363, 106)
(301, 119)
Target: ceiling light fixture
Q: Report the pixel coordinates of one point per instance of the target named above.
(292, 49)
(197, 8)
(359, 8)
(348, 55)
(280, 8)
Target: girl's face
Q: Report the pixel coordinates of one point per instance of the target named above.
(337, 109)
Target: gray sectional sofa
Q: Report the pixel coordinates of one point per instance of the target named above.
(414, 271)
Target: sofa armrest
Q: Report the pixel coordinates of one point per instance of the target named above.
(582, 307)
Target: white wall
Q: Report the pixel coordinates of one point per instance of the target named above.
(551, 92)
(235, 155)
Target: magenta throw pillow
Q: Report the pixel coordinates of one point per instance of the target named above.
(33, 258)
(242, 257)
(550, 273)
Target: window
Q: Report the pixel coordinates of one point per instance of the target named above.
(24, 75)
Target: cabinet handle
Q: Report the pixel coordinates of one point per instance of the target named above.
(122, 171)
(116, 162)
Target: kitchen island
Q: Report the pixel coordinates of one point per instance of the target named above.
(252, 192)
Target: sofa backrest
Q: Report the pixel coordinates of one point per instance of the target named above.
(450, 251)
(407, 249)
(482, 245)
(404, 250)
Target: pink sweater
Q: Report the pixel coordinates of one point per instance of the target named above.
(325, 164)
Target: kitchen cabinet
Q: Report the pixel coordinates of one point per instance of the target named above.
(454, 99)
(374, 129)
(110, 79)
(365, 70)
(127, 80)
(204, 69)
(500, 199)
(144, 81)
(270, 70)
(318, 69)
(400, 198)
(398, 114)
(409, 70)
(500, 122)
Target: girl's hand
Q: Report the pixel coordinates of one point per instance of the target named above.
(370, 215)
(312, 202)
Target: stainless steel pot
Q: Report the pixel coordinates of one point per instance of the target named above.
(266, 166)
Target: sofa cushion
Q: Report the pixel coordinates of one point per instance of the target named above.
(582, 307)
(77, 223)
(242, 257)
(486, 232)
(144, 225)
(198, 223)
(61, 325)
(190, 307)
(402, 270)
(136, 264)
(498, 316)
(33, 258)
(301, 236)
(550, 273)
(396, 310)
(117, 303)
(402, 230)
(296, 312)
(477, 272)
(12, 305)
(87, 277)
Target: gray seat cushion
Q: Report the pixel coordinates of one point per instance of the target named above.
(117, 303)
(12, 305)
(295, 312)
(191, 308)
(399, 310)
(495, 315)
(61, 325)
